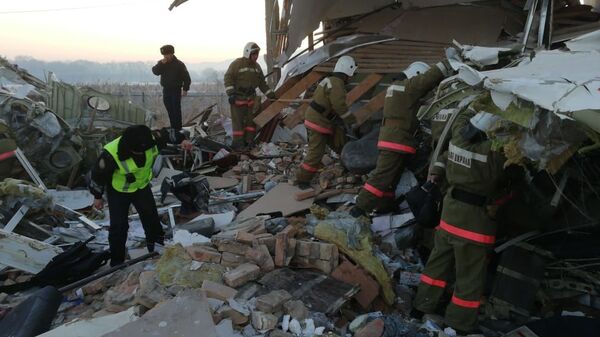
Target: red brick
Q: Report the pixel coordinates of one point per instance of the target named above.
(349, 273)
(204, 254)
(232, 260)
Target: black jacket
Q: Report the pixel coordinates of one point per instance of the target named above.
(173, 75)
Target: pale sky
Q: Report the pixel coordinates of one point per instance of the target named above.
(129, 30)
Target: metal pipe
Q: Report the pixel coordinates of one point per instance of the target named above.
(543, 19)
(528, 24)
(100, 274)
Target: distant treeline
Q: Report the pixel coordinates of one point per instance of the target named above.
(115, 72)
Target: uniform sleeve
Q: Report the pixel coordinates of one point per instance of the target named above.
(230, 77)
(158, 68)
(185, 75)
(337, 97)
(262, 85)
(102, 174)
(420, 85)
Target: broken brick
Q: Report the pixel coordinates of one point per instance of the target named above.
(296, 309)
(245, 237)
(204, 254)
(218, 291)
(262, 321)
(232, 260)
(273, 301)
(261, 257)
(241, 275)
(235, 316)
(232, 247)
(350, 273)
(267, 240)
(305, 194)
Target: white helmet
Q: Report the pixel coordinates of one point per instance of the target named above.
(416, 68)
(250, 48)
(345, 65)
(484, 121)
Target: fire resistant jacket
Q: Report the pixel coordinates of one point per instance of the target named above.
(329, 102)
(243, 77)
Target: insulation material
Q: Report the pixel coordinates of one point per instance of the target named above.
(557, 81)
(586, 42)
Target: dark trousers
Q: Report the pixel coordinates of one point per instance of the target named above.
(118, 206)
(172, 100)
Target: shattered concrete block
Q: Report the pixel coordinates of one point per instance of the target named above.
(218, 291)
(273, 301)
(3, 297)
(241, 275)
(173, 268)
(296, 309)
(350, 273)
(204, 254)
(232, 247)
(262, 321)
(149, 292)
(303, 248)
(232, 260)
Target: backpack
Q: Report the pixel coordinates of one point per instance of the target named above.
(75, 263)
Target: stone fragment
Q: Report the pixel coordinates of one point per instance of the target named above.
(350, 273)
(296, 309)
(204, 254)
(262, 321)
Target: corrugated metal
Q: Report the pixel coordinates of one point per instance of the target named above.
(70, 103)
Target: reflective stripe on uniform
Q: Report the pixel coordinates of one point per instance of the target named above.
(392, 88)
(309, 168)
(238, 133)
(433, 282)
(465, 234)
(269, 91)
(464, 157)
(326, 83)
(377, 192)
(250, 129)
(464, 303)
(346, 115)
(443, 115)
(318, 128)
(7, 155)
(126, 168)
(439, 164)
(229, 88)
(242, 70)
(396, 147)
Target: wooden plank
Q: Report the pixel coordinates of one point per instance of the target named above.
(374, 105)
(352, 96)
(273, 110)
(287, 85)
(280, 198)
(25, 254)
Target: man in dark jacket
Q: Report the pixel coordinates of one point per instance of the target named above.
(175, 81)
(124, 171)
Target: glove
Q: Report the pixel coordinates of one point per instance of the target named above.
(231, 99)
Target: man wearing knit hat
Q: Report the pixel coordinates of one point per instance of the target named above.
(124, 170)
(175, 81)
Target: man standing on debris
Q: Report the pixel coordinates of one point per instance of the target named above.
(242, 78)
(175, 80)
(124, 170)
(474, 172)
(325, 119)
(396, 138)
